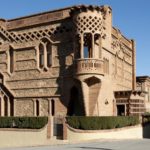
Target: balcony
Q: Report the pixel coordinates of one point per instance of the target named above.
(89, 66)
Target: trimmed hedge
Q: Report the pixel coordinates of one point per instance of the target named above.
(23, 122)
(99, 123)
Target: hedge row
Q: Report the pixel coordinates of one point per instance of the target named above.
(23, 122)
(99, 123)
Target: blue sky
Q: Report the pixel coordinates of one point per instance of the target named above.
(132, 17)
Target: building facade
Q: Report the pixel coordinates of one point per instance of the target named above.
(70, 61)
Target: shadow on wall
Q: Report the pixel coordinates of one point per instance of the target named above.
(146, 131)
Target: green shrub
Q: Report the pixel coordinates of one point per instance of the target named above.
(23, 122)
(99, 123)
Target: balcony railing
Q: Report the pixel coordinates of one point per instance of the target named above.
(88, 66)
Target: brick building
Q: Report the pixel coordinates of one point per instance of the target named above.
(70, 61)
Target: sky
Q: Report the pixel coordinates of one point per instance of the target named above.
(132, 17)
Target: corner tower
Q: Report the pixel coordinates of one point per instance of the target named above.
(92, 25)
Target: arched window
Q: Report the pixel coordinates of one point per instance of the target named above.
(41, 56)
(52, 107)
(37, 108)
(11, 55)
(49, 54)
(5, 106)
(87, 45)
(45, 54)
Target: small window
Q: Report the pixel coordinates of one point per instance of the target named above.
(52, 107)
(5, 106)
(11, 60)
(37, 108)
(41, 56)
(11, 107)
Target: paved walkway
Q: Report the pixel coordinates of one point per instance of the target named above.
(99, 145)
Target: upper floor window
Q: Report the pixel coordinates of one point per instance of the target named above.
(45, 54)
(11, 60)
(87, 45)
(41, 56)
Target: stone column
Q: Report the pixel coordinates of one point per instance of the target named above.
(100, 47)
(82, 46)
(39, 107)
(8, 106)
(93, 48)
(34, 107)
(36, 49)
(14, 107)
(85, 98)
(45, 56)
(64, 129)
(49, 127)
(134, 65)
(49, 108)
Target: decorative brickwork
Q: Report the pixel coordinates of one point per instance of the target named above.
(70, 61)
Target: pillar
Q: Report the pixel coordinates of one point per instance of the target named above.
(134, 65)
(64, 129)
(85, 98)
(93, 49)
(8, 106)
(82, 46)
(34, 107)
(49, 128)
(49, 108)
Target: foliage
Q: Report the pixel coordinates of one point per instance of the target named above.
(23, 122)
(99, 123)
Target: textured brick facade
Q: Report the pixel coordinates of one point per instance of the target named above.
(70, 61)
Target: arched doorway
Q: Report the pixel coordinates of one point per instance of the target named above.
(75, 107)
